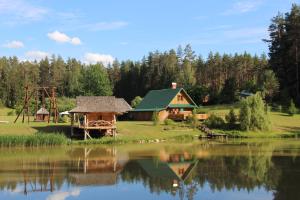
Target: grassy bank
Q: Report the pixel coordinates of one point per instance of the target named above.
(35, 133)
(36, 140)
(282, 125)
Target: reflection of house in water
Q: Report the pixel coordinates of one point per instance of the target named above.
(82, 166)
(175, 170)
(97, 168)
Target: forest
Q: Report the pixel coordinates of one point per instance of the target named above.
(221, 76)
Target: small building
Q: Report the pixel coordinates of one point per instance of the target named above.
(97, 113)
(65, 113)
(42, 115)
(173, 103)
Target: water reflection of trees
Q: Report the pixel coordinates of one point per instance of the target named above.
(252, 168)
(182, 172)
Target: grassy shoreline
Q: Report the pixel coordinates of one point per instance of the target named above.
(37, 133)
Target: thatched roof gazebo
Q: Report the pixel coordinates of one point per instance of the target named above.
(97, 113)
(42, 115)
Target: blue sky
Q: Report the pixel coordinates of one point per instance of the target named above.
(103, 30)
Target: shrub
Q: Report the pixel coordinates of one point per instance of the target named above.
(155, 118)
(1, 104)
(193, 120)
(231, 118)
(280, 108)
(169, 122)
(11, 113)
(215, 121)
(292, 108)
(253, 114)
(64, 119)
(136, 101)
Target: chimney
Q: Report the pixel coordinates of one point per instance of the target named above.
(174, 85)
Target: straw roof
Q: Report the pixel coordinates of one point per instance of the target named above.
(89, 104)
(42, 111)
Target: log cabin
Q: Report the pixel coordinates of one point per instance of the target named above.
(173, 103)
(42, 115)
(97, 113)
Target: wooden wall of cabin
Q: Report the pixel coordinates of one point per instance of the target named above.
(181, 98)
(147, 116)
(100, 116)
(142, 116)
(42, 117)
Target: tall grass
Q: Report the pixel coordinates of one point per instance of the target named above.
(37, 140)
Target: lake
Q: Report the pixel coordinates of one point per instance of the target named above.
(234, 169)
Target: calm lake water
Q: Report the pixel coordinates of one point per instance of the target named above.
(239, 169)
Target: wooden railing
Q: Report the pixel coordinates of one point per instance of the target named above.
(97, 124)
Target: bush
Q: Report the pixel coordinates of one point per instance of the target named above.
(215, 121)
(292, 108)
(155, 118)
(64, 119)
(169, 122)
(231, 118)
(280, 108)
(136, 101)
(253, 114)
(192, 120)
(1, 104)
(11, 113)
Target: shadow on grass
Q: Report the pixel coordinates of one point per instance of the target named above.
(65, 129)
(145, 125)
(285, 115)
(295, 129)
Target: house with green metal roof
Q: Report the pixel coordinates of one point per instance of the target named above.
(173, 103)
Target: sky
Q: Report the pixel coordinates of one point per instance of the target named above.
(102, 30)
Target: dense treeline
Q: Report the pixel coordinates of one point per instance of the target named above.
(219, 76)
(284, 46)
(71, 78)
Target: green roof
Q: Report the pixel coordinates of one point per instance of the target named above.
(157, 100)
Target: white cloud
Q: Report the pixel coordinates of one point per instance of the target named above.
(75, 41)
(36, 55)
(21, 10)
(243, 6)
(92, 58)
(103, 26)
(63, 38)
(64, 195)
(14, 44)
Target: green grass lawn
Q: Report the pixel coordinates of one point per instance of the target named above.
(282, 126)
